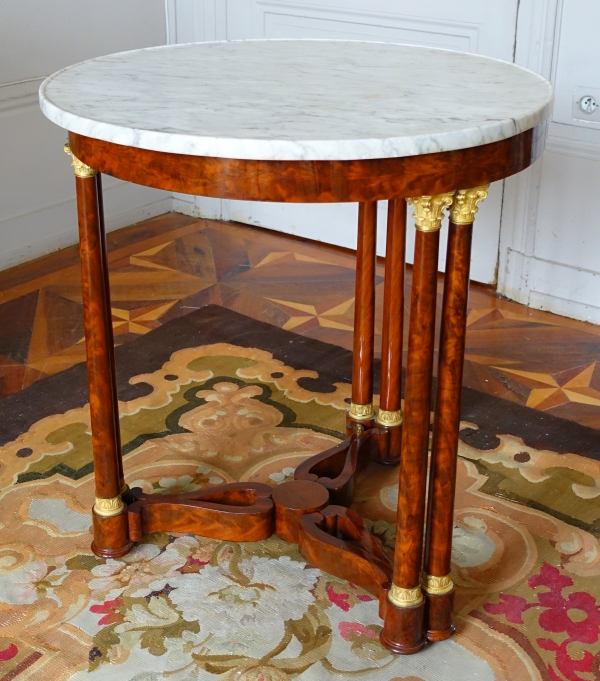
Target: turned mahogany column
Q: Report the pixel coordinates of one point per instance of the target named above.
(403, 606)
(111, 537)
(437, 583)
(99, 193)
(389, 416)
(361, 413)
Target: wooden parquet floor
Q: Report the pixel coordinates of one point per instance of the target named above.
(168, 266)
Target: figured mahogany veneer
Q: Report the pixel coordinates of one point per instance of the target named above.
(442, 478)
(393, 328)
(293, 500)
(312, 510)
(438, 615)
(417, 398)
(339, 537)
(336, 468)
(364, 305)
(312, 181)
(111, 537)
(403, 628)
(237, 511)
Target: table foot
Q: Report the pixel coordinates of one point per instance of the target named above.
(237, 511)
(439, 616)
(338, 541)
(111, 535)
(403, 628)
(389, 444)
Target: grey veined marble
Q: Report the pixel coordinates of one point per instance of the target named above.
(296, 99)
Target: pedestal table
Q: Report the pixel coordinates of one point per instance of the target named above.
(313, 121)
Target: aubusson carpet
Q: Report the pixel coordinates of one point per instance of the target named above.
(216, 397)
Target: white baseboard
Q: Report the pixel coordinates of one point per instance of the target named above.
(555, 287)
(200, 206)
(65, 213)
(565, 308)
(139, 214)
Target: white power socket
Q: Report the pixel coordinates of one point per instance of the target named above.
(586, 106)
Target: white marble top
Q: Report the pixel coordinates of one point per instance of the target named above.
(296, 99)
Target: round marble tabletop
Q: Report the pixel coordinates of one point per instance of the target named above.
(296, 99)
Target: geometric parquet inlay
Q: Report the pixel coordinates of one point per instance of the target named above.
(173, 264)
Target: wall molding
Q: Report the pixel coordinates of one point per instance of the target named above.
(37, 192)
(20, 95)
(195, 20)
(208, 20)
(33, 227)
(524, 276)
(535, 48)
(573, 147)
(463, 35)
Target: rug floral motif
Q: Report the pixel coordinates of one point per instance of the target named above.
(526, 558)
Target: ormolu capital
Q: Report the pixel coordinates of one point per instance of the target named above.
(465, 203)
(429, 211)
(80, 168)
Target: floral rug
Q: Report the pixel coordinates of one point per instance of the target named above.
(197, 410)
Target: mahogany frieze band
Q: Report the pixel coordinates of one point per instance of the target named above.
(313, 181)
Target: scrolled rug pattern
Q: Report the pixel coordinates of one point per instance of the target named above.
(526, 557)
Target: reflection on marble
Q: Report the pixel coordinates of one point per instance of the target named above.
(296, 99)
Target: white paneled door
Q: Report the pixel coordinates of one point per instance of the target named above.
(469, 25)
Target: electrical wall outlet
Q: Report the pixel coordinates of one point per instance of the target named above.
(586, 106)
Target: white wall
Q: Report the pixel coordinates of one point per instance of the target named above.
(469, 25)
(548, 237)
(549, 253)
(37, 192)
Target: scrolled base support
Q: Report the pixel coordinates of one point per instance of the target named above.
(336, 468)
(338, 541)
(236, 511)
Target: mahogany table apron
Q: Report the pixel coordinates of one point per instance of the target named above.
(414, 586)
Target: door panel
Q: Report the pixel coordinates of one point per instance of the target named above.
(469, 25)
